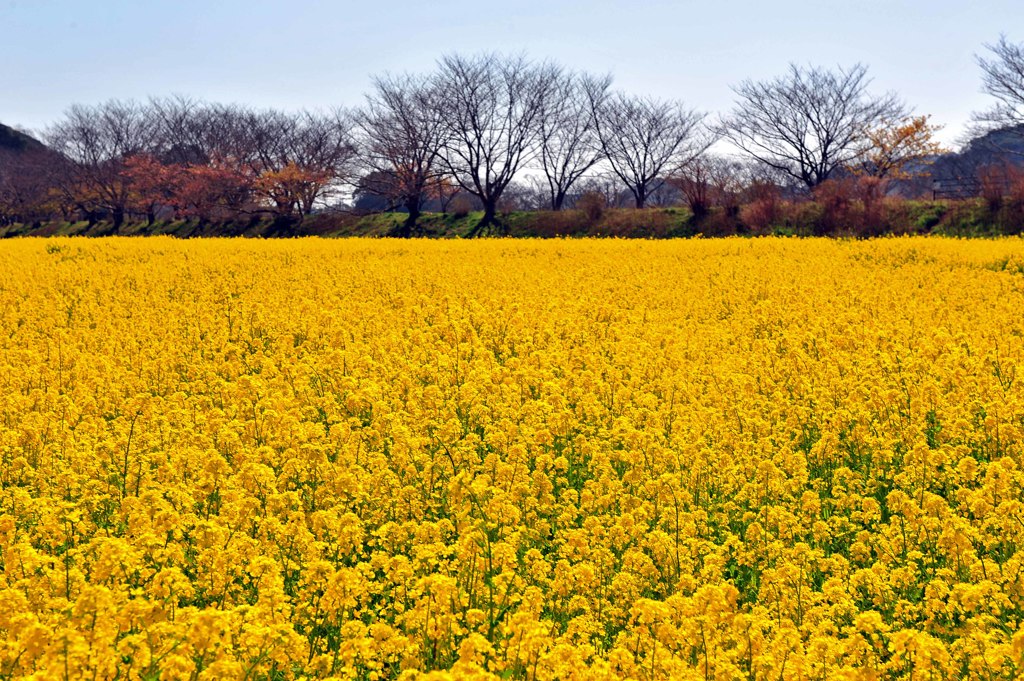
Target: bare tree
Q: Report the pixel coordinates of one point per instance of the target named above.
(708, 181)
(96, 141)
(443, 190)
(297, 159)
(490, 105)
(569, 144)
(604, 183)
(401, 134)
(259, 137)
(645, 140)
(809, 122)
(226, 129)
(321, 147)
(522, 196)
(185, 130)
(1003, 78)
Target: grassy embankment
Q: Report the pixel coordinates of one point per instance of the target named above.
(951, 218)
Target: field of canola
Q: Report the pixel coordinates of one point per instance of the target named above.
(731, 459)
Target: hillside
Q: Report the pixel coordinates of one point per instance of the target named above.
(15, 140)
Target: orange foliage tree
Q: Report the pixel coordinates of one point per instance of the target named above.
(293, 188)
(218, 189)
(152, 184)
(896, 146)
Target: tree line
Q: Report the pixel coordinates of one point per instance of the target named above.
(485, 127)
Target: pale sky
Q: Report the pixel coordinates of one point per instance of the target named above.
(320, 54)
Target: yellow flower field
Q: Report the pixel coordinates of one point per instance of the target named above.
(731, 459)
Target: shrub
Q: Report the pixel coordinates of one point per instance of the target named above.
(993, 181)
(592, 205)
(717, 222)
(636, 222)
(836, 197)
(460, 206)
(761, 215)
(1011, 217)
(762, 210)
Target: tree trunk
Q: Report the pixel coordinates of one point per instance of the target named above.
(558, 201)
(640, 194)
(412, 205)
(490, 217)
(118, 215)
(306, 205)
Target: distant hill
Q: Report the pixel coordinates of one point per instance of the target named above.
(955, 174)
(17, 141)
(997, 143)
